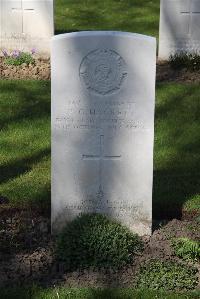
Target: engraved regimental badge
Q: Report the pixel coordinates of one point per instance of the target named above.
(103, 71)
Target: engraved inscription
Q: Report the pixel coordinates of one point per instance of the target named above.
(22, 10)
(101, 157)
(103, 71)
(113, 116)
(117, 208)
(191, 13)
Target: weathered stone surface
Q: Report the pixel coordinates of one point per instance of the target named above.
(103, 90)
(26, 24)
(179, 27)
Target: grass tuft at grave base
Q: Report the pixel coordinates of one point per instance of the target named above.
(69, 293)
(119, 15)
(25, 147)
(96, 241)
(167, 275)
(188, 61)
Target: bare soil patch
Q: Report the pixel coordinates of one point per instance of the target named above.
(41, 71)
(38, 71)
(27, 252)
(165, 73)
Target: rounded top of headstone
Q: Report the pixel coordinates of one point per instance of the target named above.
(104, 34)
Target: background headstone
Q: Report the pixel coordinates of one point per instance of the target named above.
(26, 24)
(103, 90)
(179, 27)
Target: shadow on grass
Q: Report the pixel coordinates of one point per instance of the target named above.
(89, 293)
(28, 100)
(62, 31)
(176, 155)
(21, 166)
(177, 159)
(25, 111)
(171, 192)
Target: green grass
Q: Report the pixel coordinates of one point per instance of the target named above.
(96, 241)
(176, 152)
(167, 275)
(25, 145)
(128, 15)
(66, 293)
(25, 142)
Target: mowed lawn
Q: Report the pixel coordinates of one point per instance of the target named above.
(68, 293)
(25, 146)
(124, 15)
(25, 142)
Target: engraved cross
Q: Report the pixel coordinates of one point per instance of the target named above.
(22, 10)
(101, 157)
(190, 12)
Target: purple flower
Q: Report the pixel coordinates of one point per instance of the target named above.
(33, 51)
(5, 53)
(16, 53)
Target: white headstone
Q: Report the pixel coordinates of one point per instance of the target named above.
(179, 27)
(26, 24)
(103, 90)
